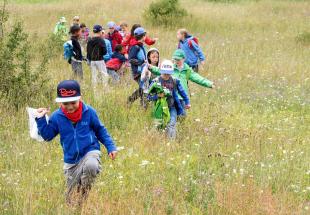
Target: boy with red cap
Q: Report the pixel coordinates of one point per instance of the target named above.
(80, 131)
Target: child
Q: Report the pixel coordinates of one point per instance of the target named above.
(191, 48)
(115, 65)
(137, 59)
(129, 40)
(77, 58)
(124, 29)
(184, 73)
(113, 35)
(61, 30)
(85, 32)
(76, 20)
(80, 131)
(84, 37)
(96, 49)
(173, 102)
(109, 53)
(146, 76)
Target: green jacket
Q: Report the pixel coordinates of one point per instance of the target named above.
(160, 111)
(184, 75)
(61, 31)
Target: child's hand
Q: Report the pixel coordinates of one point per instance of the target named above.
(155, 39)
(213, 86)
(187, 106)
(161, 95)
(41, 112)
(113, 154)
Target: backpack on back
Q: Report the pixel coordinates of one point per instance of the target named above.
(190, 42)
(68, 50)
(114, 64)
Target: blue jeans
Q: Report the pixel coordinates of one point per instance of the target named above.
(171, 127)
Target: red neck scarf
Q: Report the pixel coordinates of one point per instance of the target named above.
(75, 116)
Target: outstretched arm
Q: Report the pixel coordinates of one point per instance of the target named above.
(198, 79)
(47, 130)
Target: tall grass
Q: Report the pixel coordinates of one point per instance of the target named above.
(257, 120)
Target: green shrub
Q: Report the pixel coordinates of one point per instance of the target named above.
(165, 12)
(22, 80)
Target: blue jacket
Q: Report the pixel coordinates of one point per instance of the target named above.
(177, 90)
(119, 56)
(193, 52)
(76, 141)
(137, 58)
(109, 53)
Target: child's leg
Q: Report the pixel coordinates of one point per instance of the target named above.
(93, 69)
(83, 173)
(171, 127)
(77, 69)
(138, 93)
(91, 169)
(103, 71)
(114, 75)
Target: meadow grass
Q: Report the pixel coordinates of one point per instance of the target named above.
(257, 119)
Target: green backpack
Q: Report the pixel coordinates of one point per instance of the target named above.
(160, 111)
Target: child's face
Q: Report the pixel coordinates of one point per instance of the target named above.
(180, 36)
(179, 63)
(124, 28)
(76, 21)
(111, 30)
(142, 39)
(78, 33)
(83, 29)
(154, 58)
(165, 76)
(71, 107)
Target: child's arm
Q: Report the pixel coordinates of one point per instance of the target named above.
(102, 133)
(182, 93)
(47, 130)
(149, 41)
(198, 79)
(132, 56)
(122, 58)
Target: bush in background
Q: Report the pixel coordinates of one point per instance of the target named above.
(21, 82)
(165, 12)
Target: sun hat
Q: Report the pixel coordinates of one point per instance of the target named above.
(166, 67)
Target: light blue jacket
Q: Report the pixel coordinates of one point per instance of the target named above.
(192, 51)
(109, 53)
